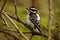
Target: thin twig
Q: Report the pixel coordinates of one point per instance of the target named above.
(50, 19)
(10, 34)
(15, 9)
(3, 6)
(31, 37)
(15, 26)
(5, 23)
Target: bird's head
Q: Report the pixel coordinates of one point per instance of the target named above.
(32, 10)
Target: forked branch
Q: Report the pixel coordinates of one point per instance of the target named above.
(15, 25)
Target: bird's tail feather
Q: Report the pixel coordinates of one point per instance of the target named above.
(38, 27)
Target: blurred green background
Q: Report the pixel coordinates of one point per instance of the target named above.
(41, 5)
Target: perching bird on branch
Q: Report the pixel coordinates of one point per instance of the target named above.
(33, 18)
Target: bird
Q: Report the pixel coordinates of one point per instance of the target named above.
(33, 19)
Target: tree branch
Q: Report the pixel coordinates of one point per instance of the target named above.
(9, 34)
(50, 19)
(15, 26)
(4, 21)
(3, 6)
(16, 9)
(33, 33)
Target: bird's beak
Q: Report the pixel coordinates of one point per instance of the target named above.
(27, 9)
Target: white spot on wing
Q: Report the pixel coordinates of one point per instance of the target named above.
(38, 18)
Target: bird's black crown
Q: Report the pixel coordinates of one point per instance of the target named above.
(32, 10)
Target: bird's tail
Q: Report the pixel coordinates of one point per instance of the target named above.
(38, 27)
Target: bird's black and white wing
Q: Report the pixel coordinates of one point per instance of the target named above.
(34, 20)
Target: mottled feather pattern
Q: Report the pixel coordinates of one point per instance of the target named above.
(33, 19)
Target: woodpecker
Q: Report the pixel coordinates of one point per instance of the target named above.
(33, 18)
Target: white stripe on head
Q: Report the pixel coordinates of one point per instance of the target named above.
(32, 8)
(33, 11)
